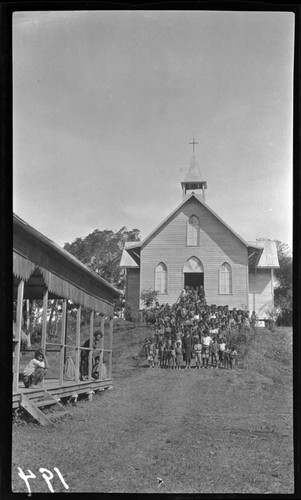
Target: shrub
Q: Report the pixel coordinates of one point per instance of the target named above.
(148, 297)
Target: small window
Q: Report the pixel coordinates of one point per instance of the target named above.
(161, 278)
(193, 231)
(225, 279)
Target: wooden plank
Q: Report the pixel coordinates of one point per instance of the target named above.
(64, 391)
(44, 324)
(30, 407)
(49, 400)
(17, 343)
(110, 347)
(63, 334)
(91, 343)
(77, 343)
(102, 344)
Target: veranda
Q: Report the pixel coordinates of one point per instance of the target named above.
(44, 271)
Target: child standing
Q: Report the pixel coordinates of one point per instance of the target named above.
(221, 351)
(151, 353)
(172, 359)
(206, 341)
(233, 357)
(198, 354)
(227, 357)
(162, 350)
(214, 353)
(156, 357)
(179, 356)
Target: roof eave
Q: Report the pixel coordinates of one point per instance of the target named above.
(61, 251)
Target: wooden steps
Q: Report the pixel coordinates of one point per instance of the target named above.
(33, 408)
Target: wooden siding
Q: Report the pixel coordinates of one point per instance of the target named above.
(132, 293)
(217, 245)
(260, 291)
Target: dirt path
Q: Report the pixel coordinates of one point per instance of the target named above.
(199, 431)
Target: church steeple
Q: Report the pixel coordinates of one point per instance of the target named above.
(193, 182)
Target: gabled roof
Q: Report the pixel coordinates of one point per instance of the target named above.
(192, 195)
(269, 256)
(131, 254)
(261, 253)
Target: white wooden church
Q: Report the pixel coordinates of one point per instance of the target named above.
(194, 246)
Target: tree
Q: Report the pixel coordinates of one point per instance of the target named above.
(101, 251)
(283, 292)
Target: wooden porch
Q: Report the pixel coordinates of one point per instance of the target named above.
(44, 271)
(66, 389)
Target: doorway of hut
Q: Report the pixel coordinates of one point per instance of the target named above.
(193, 279)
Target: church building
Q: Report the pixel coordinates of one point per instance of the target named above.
(193, 246)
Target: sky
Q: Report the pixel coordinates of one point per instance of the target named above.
(105, 104)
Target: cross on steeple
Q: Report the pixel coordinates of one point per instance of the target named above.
(193, 143)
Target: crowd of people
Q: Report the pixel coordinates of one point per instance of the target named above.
(192, 330)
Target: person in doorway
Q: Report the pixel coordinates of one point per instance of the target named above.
(36, 370)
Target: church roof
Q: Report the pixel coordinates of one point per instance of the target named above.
(192, 195)
(261, 253)
(269, 255)
(131, 254)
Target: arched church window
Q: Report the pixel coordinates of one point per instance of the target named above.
(161, 278)
(193, 231)
(225, 278)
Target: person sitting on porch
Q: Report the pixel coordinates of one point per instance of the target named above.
(36, 369)
(84, 354)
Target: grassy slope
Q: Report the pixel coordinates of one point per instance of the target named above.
(201, 431)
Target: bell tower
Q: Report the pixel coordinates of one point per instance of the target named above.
(193, 182)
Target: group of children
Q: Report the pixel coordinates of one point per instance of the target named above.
(206, 351)
(191, 309)
(192, 330)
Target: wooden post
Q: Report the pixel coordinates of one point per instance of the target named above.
(27, 316)
(77, 343)
(102, 345)
(44, 324)
(248, 288)
(91, 343)
(66, 327)
(17, 339)
(111, 347)
(63, 336)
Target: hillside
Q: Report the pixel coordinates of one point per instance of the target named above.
(199, 431)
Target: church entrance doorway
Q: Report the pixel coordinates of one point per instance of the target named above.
(193, 273)
(193, 279)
